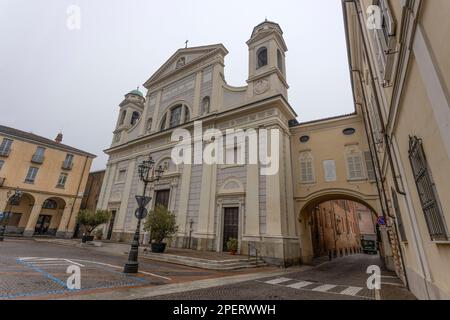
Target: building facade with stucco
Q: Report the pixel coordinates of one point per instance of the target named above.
(50, 178)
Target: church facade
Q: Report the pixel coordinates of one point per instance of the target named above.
(216, 202)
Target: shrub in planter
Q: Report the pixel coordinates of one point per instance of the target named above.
(232, 245)
(161, 223)
(90, 220)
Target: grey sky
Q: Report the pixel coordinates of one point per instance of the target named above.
(53, 79)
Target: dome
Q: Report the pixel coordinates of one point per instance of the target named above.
(136, 92)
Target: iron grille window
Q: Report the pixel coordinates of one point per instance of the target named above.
(427, 191)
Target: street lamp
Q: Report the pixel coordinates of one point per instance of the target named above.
(13, 200)
(147, 174)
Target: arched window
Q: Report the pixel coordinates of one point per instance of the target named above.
(135, 117)
(175, 116)
(149, 124)
(205, 105)
(280, 60)
(122, 117)
(50, 204)
(187, 115)
(163, 122)
(262, 57)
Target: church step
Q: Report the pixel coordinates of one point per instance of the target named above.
(204, 263)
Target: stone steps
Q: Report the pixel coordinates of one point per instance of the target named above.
(220, 265)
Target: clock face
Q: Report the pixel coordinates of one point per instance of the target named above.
(261, 86)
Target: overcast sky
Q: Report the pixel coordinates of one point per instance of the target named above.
(54, 79)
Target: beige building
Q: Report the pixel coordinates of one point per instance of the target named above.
(51, 176)
(400, 71)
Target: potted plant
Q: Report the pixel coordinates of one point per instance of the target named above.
(232, 245)
(98, 234)
(161, 223)
(90, 220)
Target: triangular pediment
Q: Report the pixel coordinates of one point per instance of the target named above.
(183, 58)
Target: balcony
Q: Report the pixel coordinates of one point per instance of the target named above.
(37, 158)
(5, 152)
(67, 165)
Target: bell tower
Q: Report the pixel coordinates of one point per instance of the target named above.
(267, 52)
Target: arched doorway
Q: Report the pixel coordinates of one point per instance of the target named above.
(18, 212)
(50, 217)
(335, 224)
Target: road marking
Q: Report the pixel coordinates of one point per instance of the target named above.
(299, 285)
(278, 280)
(30, 260)
(117, 267)
(351, 291)
(324, 288)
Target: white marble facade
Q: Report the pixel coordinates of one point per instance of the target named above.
(190, 87)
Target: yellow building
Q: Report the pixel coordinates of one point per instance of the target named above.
(399, 60)
(51, 179)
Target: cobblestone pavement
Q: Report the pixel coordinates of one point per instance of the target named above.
(342, 279)
(38, 270)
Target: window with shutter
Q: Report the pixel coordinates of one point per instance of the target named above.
(354, 167)
(427, 191)
(369, 166)
(384, 42)
(306, 168)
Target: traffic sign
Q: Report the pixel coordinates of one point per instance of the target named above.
(143, 201)
(141, 213)
(381, 221)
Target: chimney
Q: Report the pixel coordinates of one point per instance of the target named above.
(59, 138)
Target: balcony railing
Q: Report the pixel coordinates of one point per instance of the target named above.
(5, 152)
(37, 158)
(67, 165)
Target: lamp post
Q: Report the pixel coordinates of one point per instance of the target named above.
(147, 174)
(12, 200)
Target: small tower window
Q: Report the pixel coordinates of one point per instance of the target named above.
(280, 60)
(122, 117)
(262, 57)
(135, 117)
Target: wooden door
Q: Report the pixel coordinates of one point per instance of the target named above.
(230, 225)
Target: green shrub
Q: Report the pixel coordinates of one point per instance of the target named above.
(90, 220)
(161, 223)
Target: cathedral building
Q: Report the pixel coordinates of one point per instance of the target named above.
(218, 201)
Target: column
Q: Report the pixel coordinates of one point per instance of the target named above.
(62, 228)
(73, 217)
(105, 191)
(156, 112)
(125, 197)
(198, 86)
(252, 202)
(205, 229)
(34, 215)
(184, 199)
